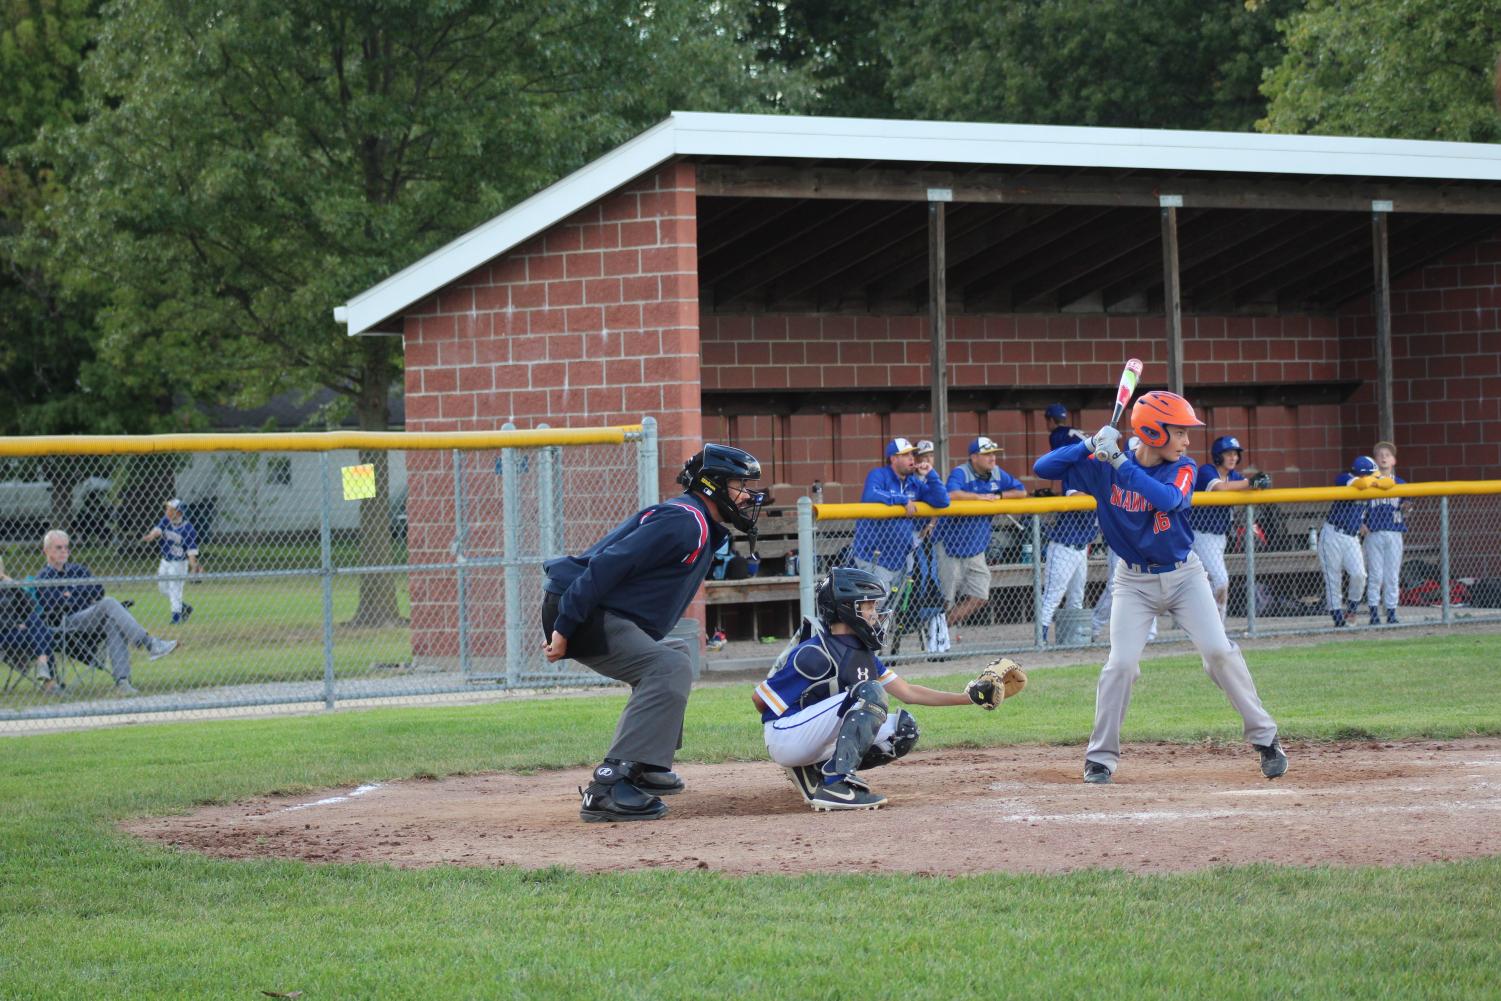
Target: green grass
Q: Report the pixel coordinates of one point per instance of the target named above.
(92, 913)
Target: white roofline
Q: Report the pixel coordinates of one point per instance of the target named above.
(705, 134)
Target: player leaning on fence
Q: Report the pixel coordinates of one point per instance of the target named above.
(884, 546)
(612, 607)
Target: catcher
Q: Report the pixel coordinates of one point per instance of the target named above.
(823, 703)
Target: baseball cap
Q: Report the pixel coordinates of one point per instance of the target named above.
(1057, 411)
(175, 503)
(899, 446)
(983, 446)
(924, 447)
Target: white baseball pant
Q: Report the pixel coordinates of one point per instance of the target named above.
(171, 576)
(806, 737)
(1340, 554)
(1211, 552)
(1101, 621)
(1185, 593)
(1065, 575)
(1383, 557)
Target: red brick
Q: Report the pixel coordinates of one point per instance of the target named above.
(455, 405)
(529, 295)
(670, 260)
(421, 407)
(604, 400)
(546, 321)
(455, 353)
(604, 236)
(602, 291)
(456, 299)
(475, 378)
(561, 239)
(621, 262)
(626, 316)
(643, 399)
(565, 293)
(544, 267)
(641, 343)
(619, 207)
(584, 319)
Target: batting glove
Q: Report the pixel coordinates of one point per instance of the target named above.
(1104, 441)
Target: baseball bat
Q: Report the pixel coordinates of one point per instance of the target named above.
(1123, 392)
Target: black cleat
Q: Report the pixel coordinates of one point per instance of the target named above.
(1273, 758)
(1096, 774)
(1338, 616)
(807, 778)
(843, 795)
(1391, 616)
(1375, 618)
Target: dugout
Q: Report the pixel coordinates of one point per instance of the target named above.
(810, 287)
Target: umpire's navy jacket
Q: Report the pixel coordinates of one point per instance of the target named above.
(648, 569)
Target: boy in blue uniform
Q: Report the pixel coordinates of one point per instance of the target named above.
(884, 546)
(1384, 531)
(1339, 543)
(177, 540)
(823, 704)
(963, 573)
(1211, 525)
(1143, 501)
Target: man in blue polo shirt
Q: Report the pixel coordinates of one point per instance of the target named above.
(963, 571)
(884, 546)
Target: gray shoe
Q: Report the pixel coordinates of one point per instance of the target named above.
(50, 687)
(1096, 774)
(1273, 758)
(159, 648)
(123, 687)
(843, 795)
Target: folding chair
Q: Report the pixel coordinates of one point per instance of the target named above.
(78, 648)
(16, 653)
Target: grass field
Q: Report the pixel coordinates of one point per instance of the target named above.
(92, 913)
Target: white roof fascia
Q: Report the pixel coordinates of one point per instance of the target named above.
(806, 138)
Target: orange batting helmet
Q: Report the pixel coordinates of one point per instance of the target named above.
(1156, 410)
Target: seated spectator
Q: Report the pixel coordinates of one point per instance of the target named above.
(84, 607)
(23, 634)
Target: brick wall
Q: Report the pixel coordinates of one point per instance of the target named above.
(593, 322)
(1302, 444)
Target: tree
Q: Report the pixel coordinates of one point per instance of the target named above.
(1412, 69)
(244, 168)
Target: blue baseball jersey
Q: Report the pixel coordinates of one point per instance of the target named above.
(888, 541)
(969, 536)
(1385, 513)
(1346, 515)
(1213, 520)
(1060, 436)
(1142, 510)
(810, 675)
(1073, 528)
(176, 541)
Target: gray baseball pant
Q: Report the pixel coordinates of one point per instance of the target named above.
(1185, 593)
(660, 674)
(1383, 560)
(121, 632)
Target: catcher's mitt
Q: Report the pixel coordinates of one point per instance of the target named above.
(1261, 480)
(1002, 679)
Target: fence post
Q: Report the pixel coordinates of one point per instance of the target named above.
(510, 517)
(1443, 555)
(646, 464)
(1036, 581)
(461, 536)
(1250, 569)
(807, 557)
(546, 498)
(326, 570)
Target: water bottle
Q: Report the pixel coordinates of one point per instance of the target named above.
(791, 567)
(1026, 552)
(1313, 539)
(752, 564)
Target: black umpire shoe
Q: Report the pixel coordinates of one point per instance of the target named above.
(1273, 759)
(658, 781)
(1096, 774)
(613, 797)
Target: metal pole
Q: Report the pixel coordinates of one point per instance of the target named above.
(1250, 569)
(1172, 291)
(1036, 580)
(807, 557)
(1385, 424)
(510, 516)
(326, 569)
(938, 320)
(546, 498)
(460, 536)
(647, 460)
(1443, 555)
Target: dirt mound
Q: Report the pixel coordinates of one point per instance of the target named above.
(1172, 807)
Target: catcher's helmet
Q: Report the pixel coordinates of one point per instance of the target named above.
(1155, 411)
(1363, 465)
(838, 599)
(1223, 444)
(709, 472)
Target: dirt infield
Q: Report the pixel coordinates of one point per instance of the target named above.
(1172, 807)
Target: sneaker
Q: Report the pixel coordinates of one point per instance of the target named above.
(123, 687)
(157, 649)
(1338, 616)
(807, 778)
(50, 687)
(1352, 608)
(1273, 759)
(1375, 618)
(1391, 616)
(186, 611)
(177, 618)
(659, 782)
(1096, 774)
(842, 795)
(1045, 635)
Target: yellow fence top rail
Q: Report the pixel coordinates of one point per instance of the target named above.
(1214, 498)
(310, 441)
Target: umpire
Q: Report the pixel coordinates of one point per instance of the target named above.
(611, 608)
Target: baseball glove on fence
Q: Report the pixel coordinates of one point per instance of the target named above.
(1261, 480)
(1002, 680)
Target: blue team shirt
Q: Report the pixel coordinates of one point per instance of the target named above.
(1385, 514)
(1073, 528)
(1346, 515)
(783, 690)
(1142, 510)
(1211, 520)
(887, 541)
(969, 536)
(178, 540)
(1060, 436)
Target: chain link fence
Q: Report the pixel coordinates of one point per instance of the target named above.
(1434, 559)
(291, 570)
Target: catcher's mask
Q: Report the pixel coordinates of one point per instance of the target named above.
(840, 595)
(710, 471)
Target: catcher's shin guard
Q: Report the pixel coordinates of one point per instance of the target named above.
(864, 713)
(884, 752)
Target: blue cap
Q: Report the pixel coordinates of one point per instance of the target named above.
(1363, 465)
(899, 446)
(983, 445)
(1056, 411)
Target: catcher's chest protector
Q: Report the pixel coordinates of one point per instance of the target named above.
(845, 668)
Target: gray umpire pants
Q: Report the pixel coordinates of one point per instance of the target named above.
(1185, 593)
(660, 674)
(121, 632)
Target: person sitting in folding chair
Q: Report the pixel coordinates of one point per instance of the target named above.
(24, 637)
(84, 608)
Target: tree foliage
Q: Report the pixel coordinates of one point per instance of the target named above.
(1414, 69)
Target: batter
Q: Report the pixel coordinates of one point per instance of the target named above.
(1143, 500)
